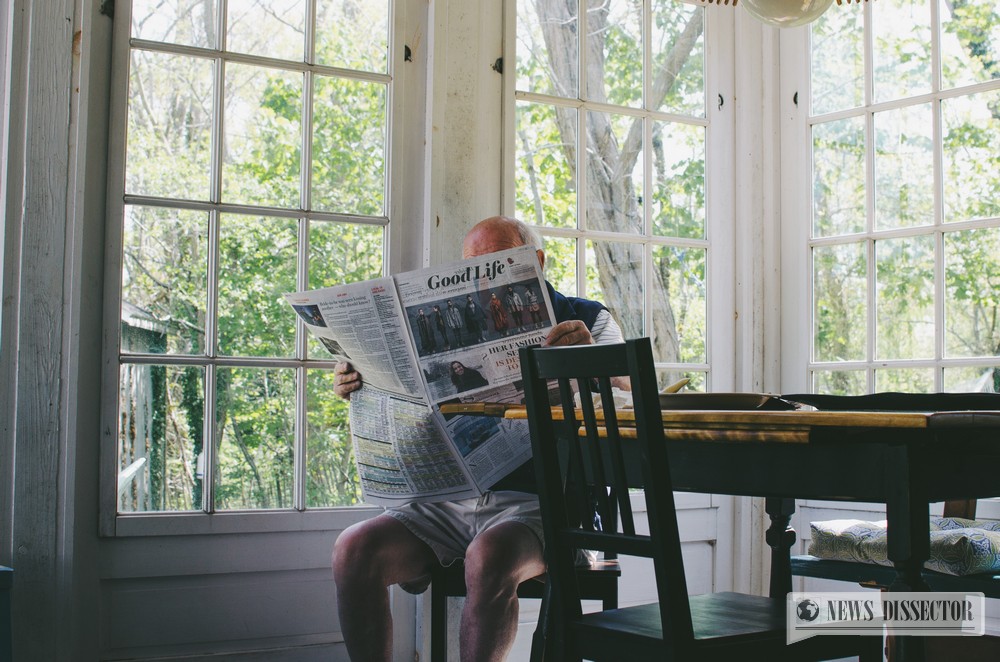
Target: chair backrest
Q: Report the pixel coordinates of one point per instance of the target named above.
(602, 457)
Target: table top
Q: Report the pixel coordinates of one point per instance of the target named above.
(796, 418)
(762, 425)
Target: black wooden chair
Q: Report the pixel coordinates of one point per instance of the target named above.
(6, 638)
(718, 626)
(598, 581)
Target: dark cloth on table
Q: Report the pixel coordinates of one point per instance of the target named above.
(891, 401)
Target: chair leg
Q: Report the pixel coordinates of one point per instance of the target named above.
(540, 636)
(874, 652)
(439, 625)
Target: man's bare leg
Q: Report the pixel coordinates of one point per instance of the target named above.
(368, 557)
(497, 561)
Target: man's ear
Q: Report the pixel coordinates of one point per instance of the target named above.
(541, 258)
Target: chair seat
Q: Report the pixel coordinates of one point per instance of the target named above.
(713, 615)
(880, 576)
(723, 623)
(597, 581)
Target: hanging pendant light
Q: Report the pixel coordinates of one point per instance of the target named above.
(784, 13)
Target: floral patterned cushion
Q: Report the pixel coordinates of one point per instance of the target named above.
(958, 546)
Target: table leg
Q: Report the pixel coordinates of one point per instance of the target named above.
(908, 523)
(780, 537)
(908, 526)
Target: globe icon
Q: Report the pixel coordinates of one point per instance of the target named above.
(807, 610)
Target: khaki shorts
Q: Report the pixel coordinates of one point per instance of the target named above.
(449, 527)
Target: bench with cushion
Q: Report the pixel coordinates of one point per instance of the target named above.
(965, 552)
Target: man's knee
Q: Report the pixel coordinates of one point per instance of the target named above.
(350, 550)
(500, 562)
(379, 551)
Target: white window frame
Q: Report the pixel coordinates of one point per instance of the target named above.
(406, 104)
(796, 212)
(719, 241)
(797, 325)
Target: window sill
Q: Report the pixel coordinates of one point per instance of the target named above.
(270, 521)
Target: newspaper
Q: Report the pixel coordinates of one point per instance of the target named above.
(443, 335)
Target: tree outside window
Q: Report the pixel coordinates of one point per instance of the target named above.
(256, 158)
(610, 136)
(905, 240)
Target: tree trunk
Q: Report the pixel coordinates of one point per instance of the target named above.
(612, 203)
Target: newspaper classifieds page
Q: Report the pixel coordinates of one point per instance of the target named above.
(399, 447)
(467, 321)
(401, 454)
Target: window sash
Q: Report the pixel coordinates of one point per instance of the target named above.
(719, 363)
(297, 516)
(800, 365)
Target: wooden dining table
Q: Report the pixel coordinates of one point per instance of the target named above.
(906, 460)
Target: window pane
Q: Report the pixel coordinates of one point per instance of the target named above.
(679, 304)
(169, 126)
(841, 296)
(838, 61)
(971, 127)
(342, 253)
(349, 143)
(678, 51)
(256, 267)
(614, 182)
(904, 167)
(972, 284)
(353, 35)
(272, 28)
(839, 177)
(332, 478)
(973, 379)
(970, 42)
(548, 48)
(189, 22)
(678, 204)
(614, 277)
(904, 291)
(263, 143)
(160, 435)
(164, 280)
(840, 382)
(905, 380)
(901, 34)
(614, 30)
(545, 168)
(255, 426)
(560, 264)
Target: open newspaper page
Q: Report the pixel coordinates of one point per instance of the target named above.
(399, 448)
(467, 321)
(401, 454)
(363, 323)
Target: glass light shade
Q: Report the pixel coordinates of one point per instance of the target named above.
(786, 13)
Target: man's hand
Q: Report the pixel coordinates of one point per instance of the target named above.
(346, 379)
(571, 332)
